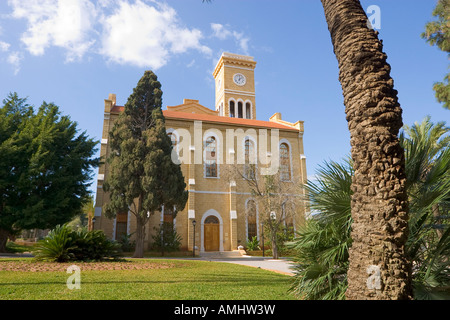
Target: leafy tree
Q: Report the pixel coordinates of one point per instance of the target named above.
(427, 149)
(323, 243)
(278, 202)
(142, 176)
(45, 167)
(438, 33)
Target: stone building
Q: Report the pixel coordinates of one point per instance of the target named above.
(205, 141)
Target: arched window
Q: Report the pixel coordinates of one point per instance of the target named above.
(232, 111)
(285, 162)
(248, 110)
(211, 157)
(212, 220)
(240, 110)
(251, 220)
(250, 157)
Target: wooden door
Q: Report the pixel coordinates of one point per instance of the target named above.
(212, 234)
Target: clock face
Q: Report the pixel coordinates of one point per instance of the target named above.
(239, 79)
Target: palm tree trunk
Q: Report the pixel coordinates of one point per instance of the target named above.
(378, 266)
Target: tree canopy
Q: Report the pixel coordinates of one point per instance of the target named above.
(45, 167)
(437, 33)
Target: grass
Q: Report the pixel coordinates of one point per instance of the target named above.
(183, 280)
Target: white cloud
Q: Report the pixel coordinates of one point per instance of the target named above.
(14, 59)
(147, 35)
(222, 32)
(143, 33)
(191, 64)
(4, 46)
(59, 23)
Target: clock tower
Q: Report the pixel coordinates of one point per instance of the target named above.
(235, 86)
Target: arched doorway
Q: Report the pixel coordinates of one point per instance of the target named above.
(212, 233)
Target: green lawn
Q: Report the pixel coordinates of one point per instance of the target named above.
(179, 280)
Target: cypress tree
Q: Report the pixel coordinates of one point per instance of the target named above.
(142, 176)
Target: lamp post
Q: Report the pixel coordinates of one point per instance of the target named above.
(193, 247)
(262, 227)
(162, 238)
(93, 221)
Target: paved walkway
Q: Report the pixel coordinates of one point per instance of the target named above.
(278, 265)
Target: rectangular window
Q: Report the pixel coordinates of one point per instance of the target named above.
(121, 225)
(211, 158)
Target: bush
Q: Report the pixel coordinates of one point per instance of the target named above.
(62, 244)
(253, 244)
(93, 245)
(166, 238)
(125, 243)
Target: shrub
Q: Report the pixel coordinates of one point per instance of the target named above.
(93, 245)
(125, 243)
(62, 244)
(166, 238)
(56, 246)
(253, 244)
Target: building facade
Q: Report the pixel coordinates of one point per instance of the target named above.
(207, 143)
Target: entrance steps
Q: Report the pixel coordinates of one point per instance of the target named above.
(221, 255)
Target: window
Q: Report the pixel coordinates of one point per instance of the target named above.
(240, 110)
(212, 220)
(211, 157)
(169, 214)
(248, 110)
(121, 224)
(285, 162)
(251, 220)
(249, 165)
(287, 212)
(232, 111)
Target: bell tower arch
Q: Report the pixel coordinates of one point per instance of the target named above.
(235, 86)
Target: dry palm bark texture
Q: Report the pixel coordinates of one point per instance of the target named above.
(378, 267)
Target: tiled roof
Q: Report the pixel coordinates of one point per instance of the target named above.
(226, 120)
(218, 119)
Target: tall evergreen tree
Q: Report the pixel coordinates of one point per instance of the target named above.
(45, 167)
(142, 176)
(438, 33)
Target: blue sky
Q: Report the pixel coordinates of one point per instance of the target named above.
(74, 53)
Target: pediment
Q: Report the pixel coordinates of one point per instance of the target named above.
(192, 106)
